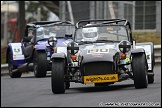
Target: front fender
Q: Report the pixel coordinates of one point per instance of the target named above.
(58, 55)
(139, 50)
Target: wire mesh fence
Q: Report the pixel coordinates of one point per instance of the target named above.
(143, 15)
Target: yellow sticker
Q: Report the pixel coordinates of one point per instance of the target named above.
(127, 59)
(109, 28)
(57, 28)
(101, 78)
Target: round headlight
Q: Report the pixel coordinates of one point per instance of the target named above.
(52, 41)
(72, 47)
(124, 46)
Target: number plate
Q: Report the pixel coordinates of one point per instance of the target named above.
(101, 78)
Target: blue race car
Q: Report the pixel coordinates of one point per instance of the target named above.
(34, 52)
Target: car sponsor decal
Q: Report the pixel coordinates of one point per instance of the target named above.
(100, 78)
(94, 55)
(97, 50)
(127, 59)
(18, 57)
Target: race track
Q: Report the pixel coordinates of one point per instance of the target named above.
(29, 91)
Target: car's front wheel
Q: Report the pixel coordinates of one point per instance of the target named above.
(11, 67)
(57, 76)
(139, 70)
(40, 64)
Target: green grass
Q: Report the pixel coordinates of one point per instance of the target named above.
(147, 37)
(139, 37)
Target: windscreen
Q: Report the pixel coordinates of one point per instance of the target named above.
(114, 33)
(44, 32)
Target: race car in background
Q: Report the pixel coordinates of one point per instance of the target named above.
(34, 52)
(103, 52)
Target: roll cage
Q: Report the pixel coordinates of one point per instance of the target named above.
(100, 22)
(34, 25)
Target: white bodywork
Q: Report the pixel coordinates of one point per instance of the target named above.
(17, 51)
(147, 49)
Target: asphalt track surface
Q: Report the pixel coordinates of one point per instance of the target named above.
(29, 91)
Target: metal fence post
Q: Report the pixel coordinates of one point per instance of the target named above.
(158, 17)
(92, 9)
(21, 18)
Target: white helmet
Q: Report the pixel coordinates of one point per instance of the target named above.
(90, 34)
(40, 33)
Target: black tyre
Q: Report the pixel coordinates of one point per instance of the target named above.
(139, 70)
(57, 76)
(11, 67)
(40, 64)
(150, 79)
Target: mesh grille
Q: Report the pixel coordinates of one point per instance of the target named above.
(97, 68)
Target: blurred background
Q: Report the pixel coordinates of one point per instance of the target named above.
(144, 16)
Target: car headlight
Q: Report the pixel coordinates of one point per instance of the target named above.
(124, 46)
(72, 47)
(52, 41)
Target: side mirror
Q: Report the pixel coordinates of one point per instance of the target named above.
(52, 41)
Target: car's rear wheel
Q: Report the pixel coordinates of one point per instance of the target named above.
(57, 76)
(11, 67)
(139, 70)
(40, 64)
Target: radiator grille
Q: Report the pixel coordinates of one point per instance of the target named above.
(97, 68)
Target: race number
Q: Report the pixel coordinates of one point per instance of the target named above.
(91, 51)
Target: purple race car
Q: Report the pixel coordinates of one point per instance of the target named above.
(34, 52)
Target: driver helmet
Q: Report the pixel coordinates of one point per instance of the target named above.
(40, 33)
(90, 34)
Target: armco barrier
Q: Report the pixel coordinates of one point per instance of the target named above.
(157, 51)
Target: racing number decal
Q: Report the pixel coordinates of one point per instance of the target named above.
(90, 51)
(16, 50)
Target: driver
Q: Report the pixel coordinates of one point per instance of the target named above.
(90, 34)
(40, 33)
